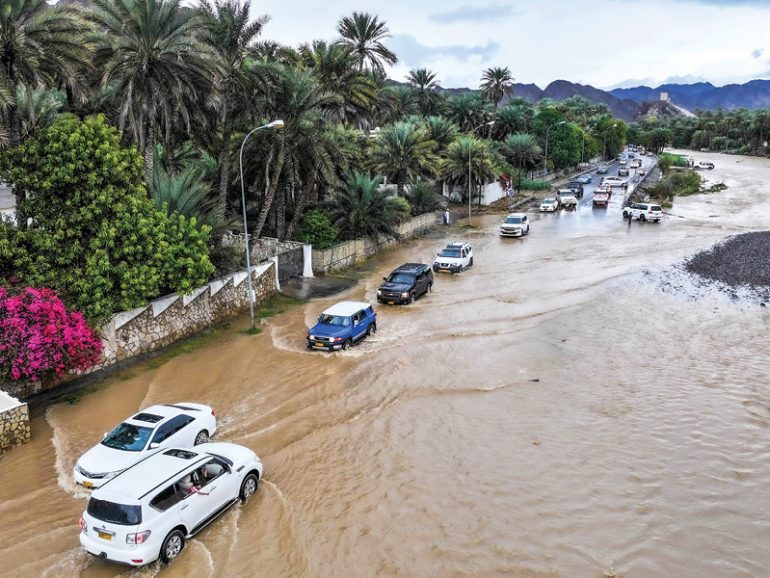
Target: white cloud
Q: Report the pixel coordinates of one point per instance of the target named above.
(599, 42)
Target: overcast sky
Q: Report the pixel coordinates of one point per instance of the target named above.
(604, 43)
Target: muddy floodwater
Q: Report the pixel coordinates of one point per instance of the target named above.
(550, 412)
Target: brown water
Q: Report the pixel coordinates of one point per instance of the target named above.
(550, 412)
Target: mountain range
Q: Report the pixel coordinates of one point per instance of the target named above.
(626, 103)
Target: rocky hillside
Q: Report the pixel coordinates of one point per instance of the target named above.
(704, 95)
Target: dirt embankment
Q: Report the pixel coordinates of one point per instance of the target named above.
(742, 261)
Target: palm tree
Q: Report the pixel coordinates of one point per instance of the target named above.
(360, 208)
(37, 108)
(425, 84)
(510, 120)
(150, 51)
(403, 152)
(335, 68)
(496, 83)
(40, 45)
(468, 111)
(424, 198)
(522, 150)
(293, 95)
(397, 103)
(231, 37)
(364, 33)
(442, 131)
(484, 161)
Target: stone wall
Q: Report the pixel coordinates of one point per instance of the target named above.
(169, 319)
(14, 422)
(348, 253)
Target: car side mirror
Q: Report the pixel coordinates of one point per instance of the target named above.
(355, 323)
(105, 435)
(438, 254)
(384, 278)
(154, 445)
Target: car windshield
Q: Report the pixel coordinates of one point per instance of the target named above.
(128, 437)
(450, 252)
(336, 320)
(548, 201)
(401, 278)
(113, 513)
(513, 220)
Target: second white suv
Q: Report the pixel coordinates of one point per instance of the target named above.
(567, 199)
(643, 212)
(149, 510)
(454, 258)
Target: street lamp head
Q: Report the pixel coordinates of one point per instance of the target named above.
(278, 123)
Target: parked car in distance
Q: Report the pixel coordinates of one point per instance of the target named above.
(455, 257)
(636, 163)
(549, 205)
(566, 199)
(576, 187)
(614, 181)
(158, 426)
(703, 165)
(342, 325)
(641, 171)
(150, 509)
(405, 284)
(602, 196)
(643, 212)
(623, 172)
(515, 225)
(602, 170)
(584, 179)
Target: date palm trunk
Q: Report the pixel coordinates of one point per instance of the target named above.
(267, 202)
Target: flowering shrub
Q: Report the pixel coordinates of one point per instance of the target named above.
(39, 337)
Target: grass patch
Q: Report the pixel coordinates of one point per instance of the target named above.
(531, 185)
(251, 331)
(277, 304)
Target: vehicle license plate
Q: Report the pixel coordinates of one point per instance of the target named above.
(318, 346)
(105, 536)
(88, 484)
(391, 302)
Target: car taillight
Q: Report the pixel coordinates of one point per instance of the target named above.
(138, 538)
(82, 524)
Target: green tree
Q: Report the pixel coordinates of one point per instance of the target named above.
(424, 83)
(95, 236)
(485, 164)
(231, 38)
(317, 230)
(360, 208)
(496, 83)
(150, 51)
(522, 150)
(364, 34)
(424, 198)
(40, 45)
(403, 153)
(469, 111)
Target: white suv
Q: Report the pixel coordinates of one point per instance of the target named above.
(148, 511)
(515, 225)
(567, 199)
(614, 182)
(454, 258)
(155, 427)
(643, 212)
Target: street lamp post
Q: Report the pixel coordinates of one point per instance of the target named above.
(545, 159)
(470, 149)
(273, 124)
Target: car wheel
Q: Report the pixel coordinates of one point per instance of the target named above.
(470, 263)
(642, 218)
(373, 327)
(347, 343)
(411, 298)
(172, 546)
(430, 287)
(202, 437)
(249, 487)
(369, 330)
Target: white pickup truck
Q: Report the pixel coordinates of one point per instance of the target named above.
(567, 199)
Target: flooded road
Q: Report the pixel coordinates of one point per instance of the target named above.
(549, 412)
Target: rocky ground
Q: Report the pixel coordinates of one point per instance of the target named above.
(737, 269)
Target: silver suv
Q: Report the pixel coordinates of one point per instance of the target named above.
(643, 212)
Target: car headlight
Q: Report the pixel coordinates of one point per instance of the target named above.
(379, 292)
(405, 294)
(311, 336)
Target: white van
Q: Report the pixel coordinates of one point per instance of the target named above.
(148, 511)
